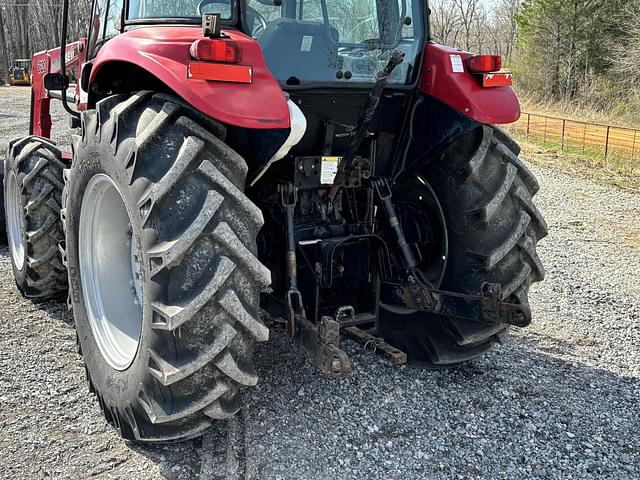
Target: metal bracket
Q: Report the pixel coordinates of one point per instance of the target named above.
(486, 307)
(322, 342)
(509, 313)
(295, 307)
(211, 25)
(377, 344)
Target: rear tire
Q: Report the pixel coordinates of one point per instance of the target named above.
(493, 227)
(32, 192)
(195, 233)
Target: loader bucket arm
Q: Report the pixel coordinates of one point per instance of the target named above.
(49, 61)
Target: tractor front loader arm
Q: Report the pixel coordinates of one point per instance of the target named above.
(48, 62)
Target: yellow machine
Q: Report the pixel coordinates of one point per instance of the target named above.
(19, 73)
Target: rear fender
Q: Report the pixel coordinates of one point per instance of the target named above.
(462, 91)
(163, 51)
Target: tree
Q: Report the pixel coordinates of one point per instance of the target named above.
(468, 13)
(29, 26)
(445, 22)
(4, 51)
(562, 43)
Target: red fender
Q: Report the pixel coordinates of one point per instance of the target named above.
(163, 51)
(463, 91)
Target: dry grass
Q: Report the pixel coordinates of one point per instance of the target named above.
(579, 112)
(586, 166)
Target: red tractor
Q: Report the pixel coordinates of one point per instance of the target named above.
(321, 159)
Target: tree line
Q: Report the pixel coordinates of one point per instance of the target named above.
(29, 26)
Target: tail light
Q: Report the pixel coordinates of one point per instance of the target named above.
(215, 50)
(484, 63)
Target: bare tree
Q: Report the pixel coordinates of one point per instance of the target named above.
(445, 22)
(468, 12)
(29, 26)
(626, 55)
(468, 25)
(4, 50)
(506, 19)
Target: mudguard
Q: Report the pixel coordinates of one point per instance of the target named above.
(163, 51)
(444, 77)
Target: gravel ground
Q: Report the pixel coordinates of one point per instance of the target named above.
(559, 400)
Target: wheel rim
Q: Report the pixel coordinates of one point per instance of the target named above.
(15, 221)
(110, 272)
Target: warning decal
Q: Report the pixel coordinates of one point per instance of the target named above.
(456, 64)
(329, 169)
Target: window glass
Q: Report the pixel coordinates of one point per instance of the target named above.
(361, 22)
(259, 15)
(97, 25)
(112, 27)
(343, 41)
(180, 8)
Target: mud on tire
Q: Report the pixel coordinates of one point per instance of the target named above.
(183, 189)
(33, 189)
(486, 193)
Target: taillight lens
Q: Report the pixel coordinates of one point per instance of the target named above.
(215, 50)
(485, 63)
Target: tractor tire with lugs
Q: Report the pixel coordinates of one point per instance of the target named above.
(196, 279)
(33, 187)
(486, 193)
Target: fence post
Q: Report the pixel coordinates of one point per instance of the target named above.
(633, 147)
(545, 129)
(564, 124)
(606, 143)
(584, 138)
(528, 124)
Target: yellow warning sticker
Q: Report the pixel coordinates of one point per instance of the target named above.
(329, 169)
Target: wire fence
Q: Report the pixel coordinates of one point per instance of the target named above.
(610, 144)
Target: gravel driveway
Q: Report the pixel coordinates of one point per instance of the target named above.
(559, 400)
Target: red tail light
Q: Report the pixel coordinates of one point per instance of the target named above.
(485, 63)
(215, 50)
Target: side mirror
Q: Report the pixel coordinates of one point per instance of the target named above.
(85, 75)
(56, 81)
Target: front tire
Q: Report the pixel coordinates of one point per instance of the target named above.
(174, 191)
(32, 191)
